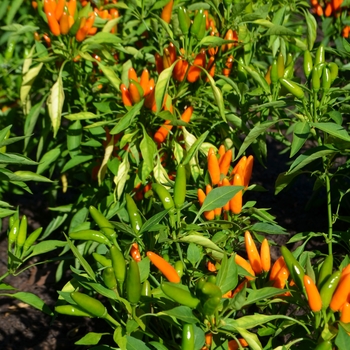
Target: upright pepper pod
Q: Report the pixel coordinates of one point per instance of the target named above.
(188, 337)
(274, 72)
(108, 277)
(102, 259)
(333, 67)
(146, 289)
(102, 222)
(326, 79)
(295, 269)
(32, 238)
(133, 283)
(180, 186)
(197, 25)
(164, 196)
(328, 288)
(184, 20)
(211, 305)
(22, 232)
(280, 65)
(134, 215)
(313, 295)
(167, 11)
(307, 64)
(320, 55)
(252, 252)
(341, 294)
(325, 271)
(316, 82)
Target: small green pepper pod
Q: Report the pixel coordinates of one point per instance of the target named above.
(119, 266)
(187, 337)
(241, 72)
(90, 235)
(22, 232)
(320, 55)
(179, 295)
(105, 226)
(326, 79)
(280, 65)
(325, 345)
(211, 290)
(180, 186)
(91, 305)
(134, 215)
(333, 67)
(164, 196)
(146, 290)
(133, 283)
(211, 305)
(274, 72)
(295, 269)
(179, 267)
(108, 277)
(325, 271)
(12, 236)
(197, 25)
(308, 64)
(184, 20)
(102, 259)
(293, 88)
(328, 289)
(71, 310)
(316, 82)
(32, 238)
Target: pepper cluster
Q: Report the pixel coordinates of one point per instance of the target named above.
(218, 169)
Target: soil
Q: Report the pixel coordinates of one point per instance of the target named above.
(25, 328)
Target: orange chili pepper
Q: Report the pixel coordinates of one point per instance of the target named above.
(50, 6)
(228, 36)
(240, 287)
(59, 9)
(236, 201)
(162, 132)
(345, 271)
(164, 267)
(226, 162)
(150, 100)
(180, 70)
(135, 252)
(245, 265)
(319, 10)
(70, 21)
(132, 74)
(150, 87)
(172, 52)
(329, 9)
(226, 182)
(313, 295)
(34, 5)
(228, 294)
(166, 58)
(126, 97)
(281, 278)
(221, 152)
(194, 71)
(214, 169)
(341, 294)
(166, 12)
(229, 62)
(209, 215)
(248, 169)
(144, 81)
(233, 345)
(72, 6)
(134, 92)
(187, 114)
(278, 264)
(239, 167)
(213, 50)
(345, 313)
(268, 75)
(346, 31)
(53, 24)
(252, 252)
(159, 63)
(211, 267)
(265, 255)
(201, 196)
(64, 23)
(208, 339)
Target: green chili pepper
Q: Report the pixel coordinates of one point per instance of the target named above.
(325, 345)
(133, 283)
(325, 271)
(91, 305)
(211, 305)
(241, 72)
(181, 296)
(200, 284)
(187, 337)
(32, 238)
(105, 226)
(179, 267)
(163, 195)
(90, 235)
(227, 3)
(211, 279)
(12, 220)
(307, 63)
(319, 69)
(316, 83)
(197, 25)
(11, 44)
(102, 259)
(288, 71)
(320, 55)
(280, 65)
(293, 88)
(274, 72)
(146, 290)
(326, 79)
(180, 186)
(333, 67)
(184, 20)
(295, 269)
(3, 150)
(22, 232)
(119, 266)
(12, 238)
(211, 290)
(108, 277)
(328, 289)
(71, 311)
(135, 217)
(289, 59)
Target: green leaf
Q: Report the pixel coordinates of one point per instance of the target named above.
(269, 228)
(227, 277)
(183, 313)
(162, 86)
(31, 120)
(13, 158)
(333, 129)
(309, 156)
(76, 161)
(342, 339)
(280, 30)
(127, 119)
(284, 179)
(300, 135)
(193, 254)
(135, 344)
(81, 116)
(254, 134)
(32, 300)
(46, 246)
(47, 159)
(259, 79)
(144, 267)
(5, 286)
(120, 338)
(101, 38)
(251, 338)
(23, 175)
(91, 338)
(255, 296)
(311, 24)
(194, 148)
(148, 150)
(158, 346)
(110, 75)
(200, 240)
(154, 220)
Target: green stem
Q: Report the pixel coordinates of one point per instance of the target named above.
(329, 214)
(5, 275)
(112, 320)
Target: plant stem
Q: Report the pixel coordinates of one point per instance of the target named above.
(329, 214)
